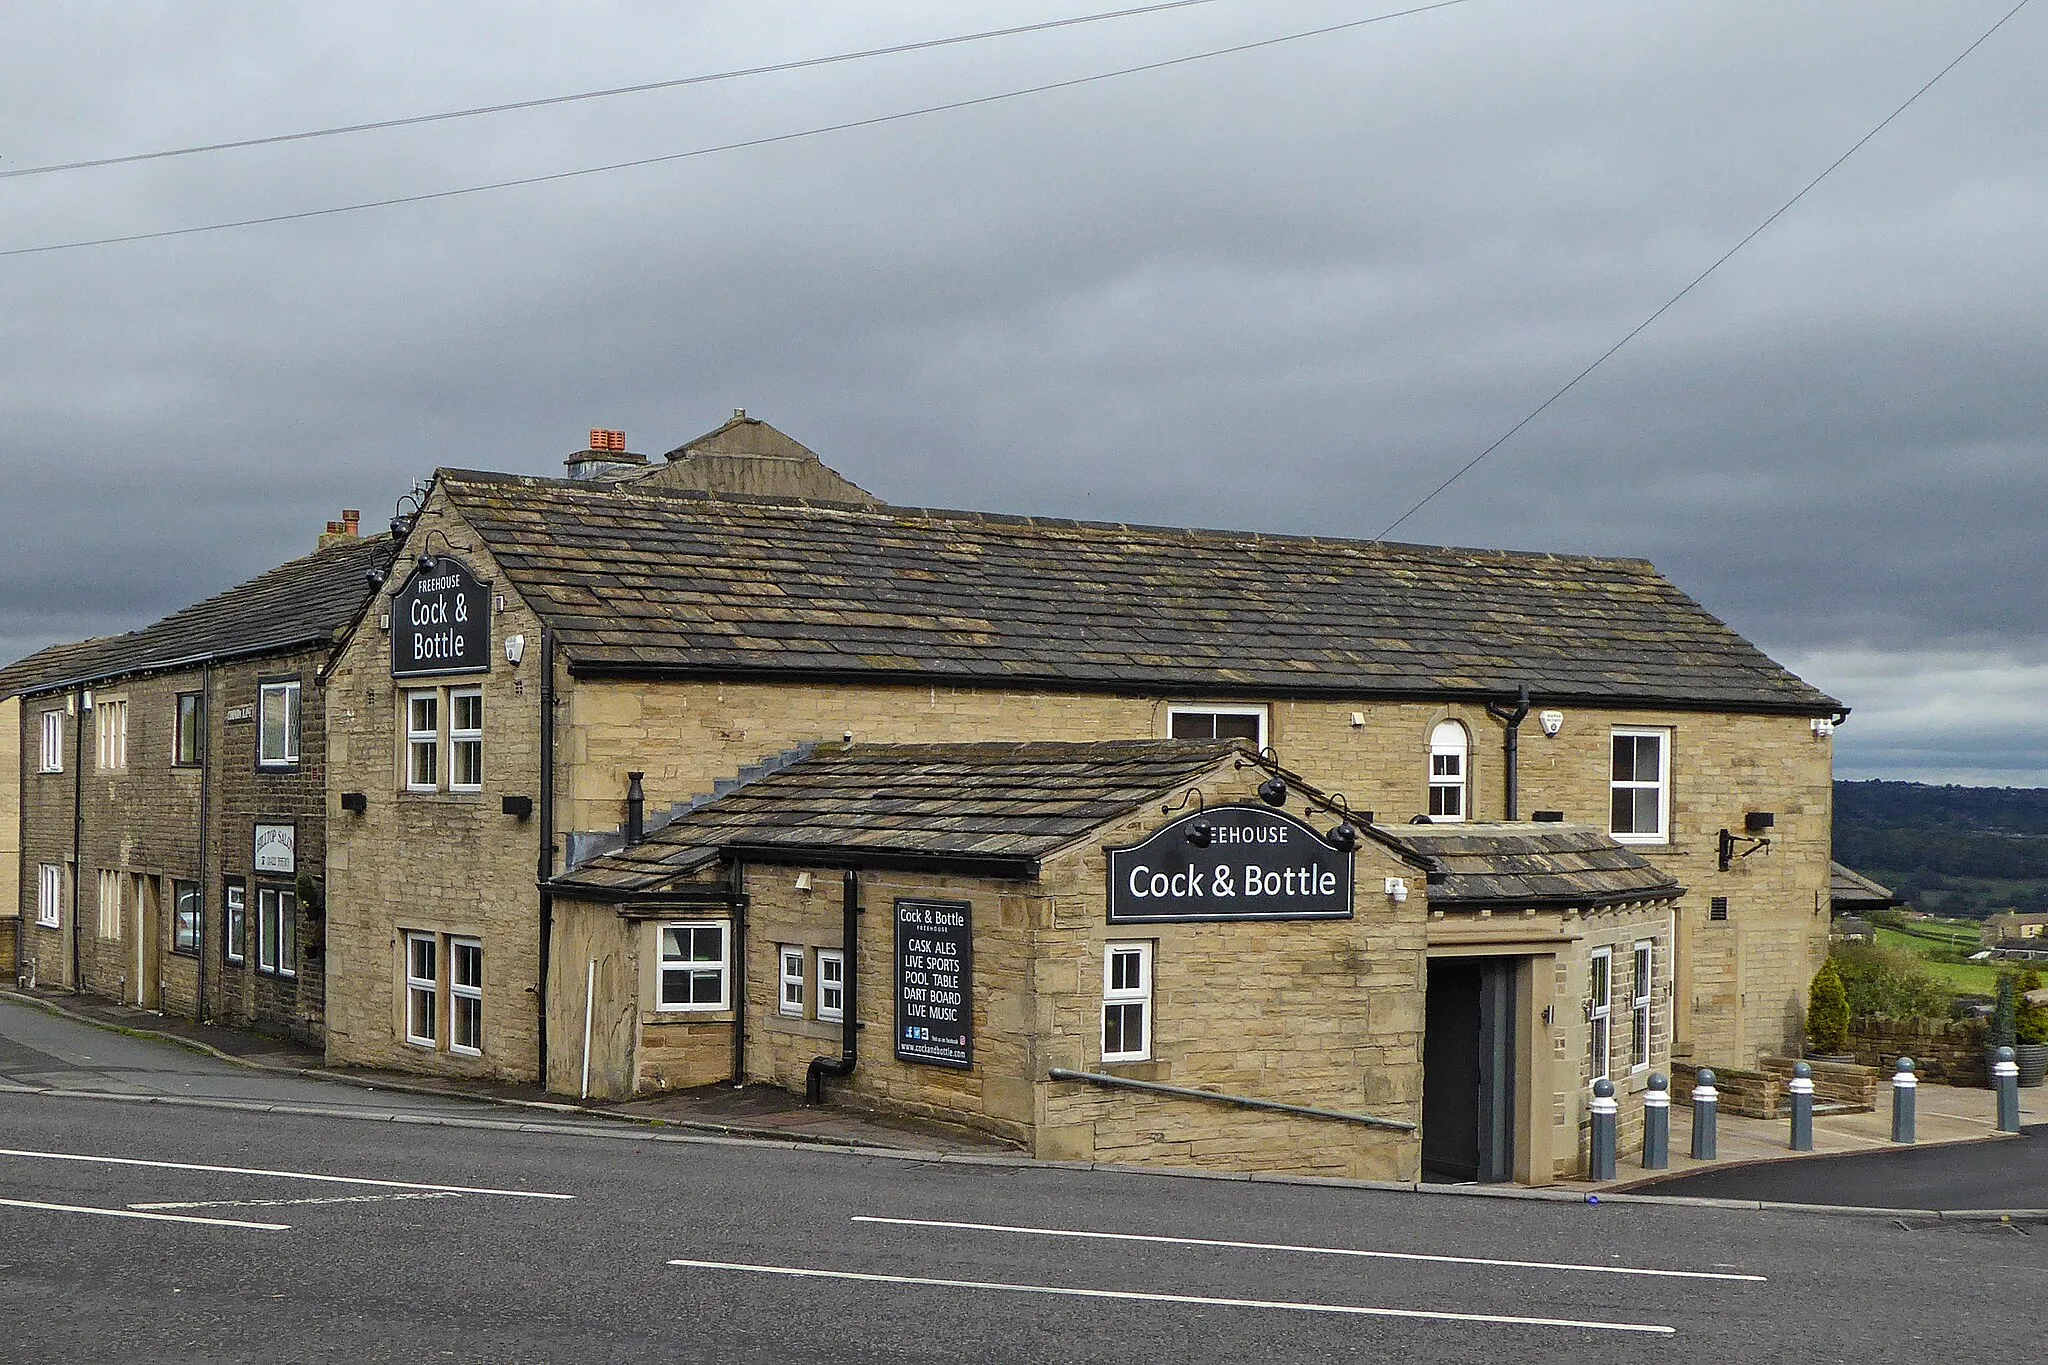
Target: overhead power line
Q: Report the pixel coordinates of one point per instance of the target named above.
(766, 141)
(1700, 278)
(680, 81)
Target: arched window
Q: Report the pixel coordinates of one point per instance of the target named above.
(1449, 751)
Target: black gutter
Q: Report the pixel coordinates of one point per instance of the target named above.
(77, 832)
(849, 1006)
(1518, 903)
(1346, 690)
(547, 840)
(1001, 866)
(737, 898)
(1512, 717)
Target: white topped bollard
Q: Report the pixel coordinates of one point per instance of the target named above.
(1603, 1109)
(1657, 1123)
(1802, 1107)
(2005, 1075)
(1905, 1100)
(1706, 1114)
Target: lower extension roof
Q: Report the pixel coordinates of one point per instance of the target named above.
(1517, 866)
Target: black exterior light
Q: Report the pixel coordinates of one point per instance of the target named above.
(1273, 791)
(1201, 834)
(1343, 838)
(426, 563)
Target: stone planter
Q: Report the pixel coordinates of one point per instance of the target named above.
(2033, 1062)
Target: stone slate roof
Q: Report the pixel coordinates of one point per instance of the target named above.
(997, 808)
(52, 662)
(1851, 890)
(1515, 865)
(645, 583)
(306, 602)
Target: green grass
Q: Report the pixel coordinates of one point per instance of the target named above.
(1965, 978)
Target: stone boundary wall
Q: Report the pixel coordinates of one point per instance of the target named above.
(1945, 1052)
(1762, 1093)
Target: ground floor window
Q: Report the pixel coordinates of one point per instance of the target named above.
(50, 896)
(277, 931)
(790, 978)
(1600, 1011)
(466, 996)
(1127, 1002)
(693, 967)
(831, 983)
(185, 912)
(1639, 1004)
(110, 904)
(235, 908)
(422, 989)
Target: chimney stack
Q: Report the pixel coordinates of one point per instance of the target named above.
(349, 528)
(606, 456)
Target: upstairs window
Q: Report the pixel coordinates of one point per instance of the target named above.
(422, 741)
(1449, 761)
(185, 738)
(111, 728)
(1639, 787)
(53, 743)
(1127, 1002)
(277, 712)
(466, 739)
(1246, 724)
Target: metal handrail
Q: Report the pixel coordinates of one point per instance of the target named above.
(1060, 1073)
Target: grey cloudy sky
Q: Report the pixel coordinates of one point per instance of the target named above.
(1289, 289)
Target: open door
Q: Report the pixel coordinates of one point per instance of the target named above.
(1468, 1070)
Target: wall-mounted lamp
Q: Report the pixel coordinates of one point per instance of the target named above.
(1756, 843)
(515, 649)
(1551, 721)
(805, 881)
(1273, 791)
(1201, 833)
(1343, 838)
(1822, 727)
(1397, 890)
(374, 577)
(355, 803)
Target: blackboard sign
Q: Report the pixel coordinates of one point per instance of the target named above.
(1243, 862)
(441, 622)
(935, 982)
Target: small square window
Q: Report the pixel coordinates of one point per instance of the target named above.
(790, 982)
(1246, 724)
(692, 967)
(831, 984)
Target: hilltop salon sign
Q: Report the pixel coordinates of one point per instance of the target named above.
(441, 622)
(276, 849)
(1258, 863)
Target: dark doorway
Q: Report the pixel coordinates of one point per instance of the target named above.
(1468, 1070)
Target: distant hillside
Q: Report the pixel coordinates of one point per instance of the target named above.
(1963, 851)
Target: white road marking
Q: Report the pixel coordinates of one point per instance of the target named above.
(1195, 1300)
(282, 1203)
(154, 1217)
(1313, 1250)
(287, 1175)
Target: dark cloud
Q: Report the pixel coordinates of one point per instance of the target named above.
(1290, 289)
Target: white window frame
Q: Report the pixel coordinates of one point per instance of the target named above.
(50, 896)
(53, 743)
(1126, 998)
(288, 748)
(235, 923)
(110, 731)
(1644, 974)
(831, 984)
(109, 904)
(1661, 785)
(789, 984)
(277, 931)
(463, 738)
(1261, 713)
(423, 988)
(465, 996)
(693, 968)
(418, 741)
(1600, 1012)
(1450, 772)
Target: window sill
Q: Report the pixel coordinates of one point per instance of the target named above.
(280, 769)
(432, 794)
(191, 954)
(672, 1015)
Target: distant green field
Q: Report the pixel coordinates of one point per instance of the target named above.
(1968, 978)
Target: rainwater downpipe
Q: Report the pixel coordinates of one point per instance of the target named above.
(736, 889)
(849, 1011)
(204, 741)
(1512, 717)
(77, 833)
(547, 842)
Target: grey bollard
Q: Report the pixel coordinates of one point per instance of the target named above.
(1905, 1100)
(1802, 1107)
(1657, 1124)
(1706, 1115)
(1603, 1109)
(2005, 1074)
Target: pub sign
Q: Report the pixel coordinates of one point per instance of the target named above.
(441, 622)
(1253, 863)
(935, 982)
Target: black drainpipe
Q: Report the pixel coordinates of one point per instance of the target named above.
(849, 1013)
(736, 889)
(205, 830)
(1512, 717)
(547, 839)
(77, 833)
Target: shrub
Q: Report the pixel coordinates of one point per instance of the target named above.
(2029, 1020)
(1888, 983)
(1827, 1011)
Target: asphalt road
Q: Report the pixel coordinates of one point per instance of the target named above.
(268, 1235)
(2008, 1174)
